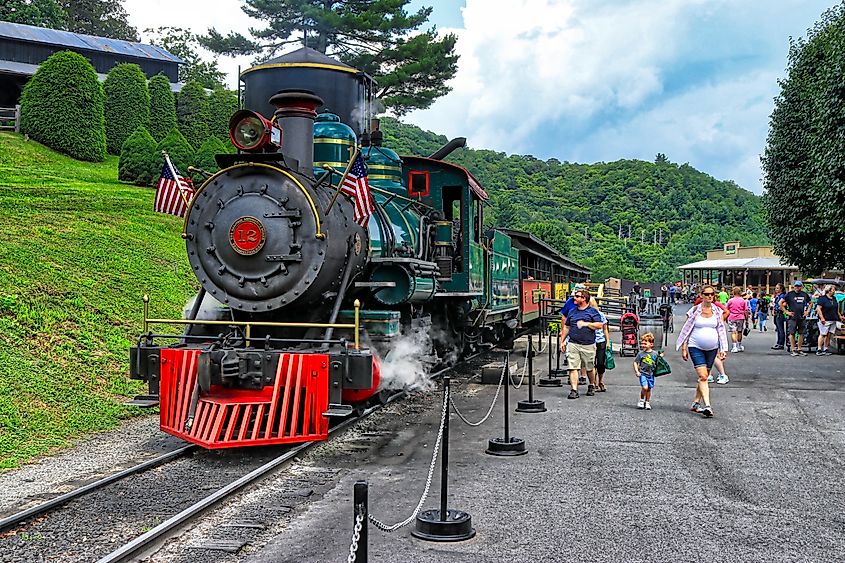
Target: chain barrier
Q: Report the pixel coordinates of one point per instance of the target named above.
(524, 370)
(495, 398)
(392, 528)
(356, 535)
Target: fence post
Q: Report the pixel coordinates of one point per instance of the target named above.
(17, 118)
(361, 504)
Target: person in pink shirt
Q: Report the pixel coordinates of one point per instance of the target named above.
(737, 317)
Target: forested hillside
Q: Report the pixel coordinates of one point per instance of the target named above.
(672, 212)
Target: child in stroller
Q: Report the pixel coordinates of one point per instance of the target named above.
(630, 325)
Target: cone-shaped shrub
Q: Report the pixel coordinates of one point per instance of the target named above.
(127, 105)
(138, 159)
(62, 107)
(205, 157)
(162, 107)
(180, 151)
(222, 104)
(192, 113)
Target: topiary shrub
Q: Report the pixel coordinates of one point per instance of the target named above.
(62, 107)
(139, 159)
(162, 107)
(192, 113)
(204, 158)
(180, 151)
(127, 104)
(222, 104)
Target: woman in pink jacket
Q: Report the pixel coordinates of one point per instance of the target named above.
(738, 312)
(702, 339)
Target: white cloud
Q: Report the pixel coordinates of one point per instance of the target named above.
(198, 16)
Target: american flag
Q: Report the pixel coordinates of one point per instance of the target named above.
(173, 192)
(356, 185)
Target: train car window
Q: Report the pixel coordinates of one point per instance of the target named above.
(418, 183)
(453, 210)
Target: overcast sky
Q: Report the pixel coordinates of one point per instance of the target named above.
(592, 80)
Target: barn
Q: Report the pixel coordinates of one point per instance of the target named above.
(24, 47)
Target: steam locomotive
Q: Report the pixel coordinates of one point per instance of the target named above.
(297, 300)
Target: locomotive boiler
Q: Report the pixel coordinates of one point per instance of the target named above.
(304, 299)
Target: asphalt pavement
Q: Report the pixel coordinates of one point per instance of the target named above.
(604, 481)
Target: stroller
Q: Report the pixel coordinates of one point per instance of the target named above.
(630, 325)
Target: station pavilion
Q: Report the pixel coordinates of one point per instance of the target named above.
(731, 265)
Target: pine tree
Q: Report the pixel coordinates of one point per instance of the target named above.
(162, 107)
(138, 159)
(127, 104)
(222, 104)
(192, 113)
(180, 151)
(376, 37)
(62, 107)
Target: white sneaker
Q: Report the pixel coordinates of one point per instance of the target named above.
(641, 404)
(734, 349)
(709, 379)
(722, 379)
(647, 406)
(741, 348)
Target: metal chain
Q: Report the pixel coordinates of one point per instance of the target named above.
(524, 371)
(392, 528)
(493, 404)
(356, 535)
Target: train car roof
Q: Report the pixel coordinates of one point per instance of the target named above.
(527, 242)
(474, 185)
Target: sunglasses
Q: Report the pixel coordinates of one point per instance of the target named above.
(708, 294)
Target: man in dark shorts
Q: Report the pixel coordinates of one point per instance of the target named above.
(795, 305)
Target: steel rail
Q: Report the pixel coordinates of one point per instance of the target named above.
(139, 544)
(24, 515)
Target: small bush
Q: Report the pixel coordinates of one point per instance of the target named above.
(192, 113)
(127, 104)
(138, 159)
(162, 107)
(62, 107)
(180, 151)
(205, 157)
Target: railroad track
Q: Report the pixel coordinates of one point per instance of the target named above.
(160, 533)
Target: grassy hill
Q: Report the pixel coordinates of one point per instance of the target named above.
(79, 251)
(673, 212)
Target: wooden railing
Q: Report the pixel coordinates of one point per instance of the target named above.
(10, 119)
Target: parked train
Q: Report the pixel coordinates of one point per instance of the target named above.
(302, 298)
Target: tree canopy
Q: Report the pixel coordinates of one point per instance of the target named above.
(184, 44)
(804, 159)
(104, 18)
(628, 218)
(127, 104)
(162, 107)
(380, 38)
(43, 13)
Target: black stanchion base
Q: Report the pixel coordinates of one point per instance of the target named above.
(498, 446)
(531, 406)
(549, 382)
(456, 527)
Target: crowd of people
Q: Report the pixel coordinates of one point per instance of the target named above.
(703, 339)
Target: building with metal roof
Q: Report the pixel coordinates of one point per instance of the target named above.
(24, 47)
(734, 264)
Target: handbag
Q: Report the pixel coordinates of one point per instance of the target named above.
(609, 362)
(746, 330)
(661, 367)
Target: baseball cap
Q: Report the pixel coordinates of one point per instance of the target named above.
(798, 282)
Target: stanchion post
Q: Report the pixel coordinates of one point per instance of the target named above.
(359, 498)
(531, 405)
(551, 380)
(506, 446)
(442, 525)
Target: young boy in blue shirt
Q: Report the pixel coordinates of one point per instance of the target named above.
(644, 366)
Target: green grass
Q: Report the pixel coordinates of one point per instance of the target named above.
(79, 250)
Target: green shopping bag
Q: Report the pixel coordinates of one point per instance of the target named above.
(609, 362)
(661, 367)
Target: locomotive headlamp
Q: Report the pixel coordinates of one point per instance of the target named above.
(251, 131)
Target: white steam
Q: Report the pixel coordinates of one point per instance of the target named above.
(409, 362)
(210, 310)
